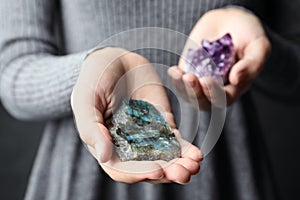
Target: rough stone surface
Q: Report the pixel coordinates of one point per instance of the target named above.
(213, 59)
(140, 132)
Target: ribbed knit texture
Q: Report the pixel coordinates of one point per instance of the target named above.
(35, 82)
(42, 46)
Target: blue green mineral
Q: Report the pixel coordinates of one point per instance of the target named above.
(140, 132)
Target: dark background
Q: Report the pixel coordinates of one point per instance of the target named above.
(19, 141)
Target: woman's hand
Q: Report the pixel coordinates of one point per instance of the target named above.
(106, 76)
(251, 47)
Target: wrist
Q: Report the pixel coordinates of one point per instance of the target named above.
(100, 58)
(132, 60)
(106, 51)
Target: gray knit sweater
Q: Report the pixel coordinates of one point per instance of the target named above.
(42, 46)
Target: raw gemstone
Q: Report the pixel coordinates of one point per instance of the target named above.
(140, 132)
(213, 59)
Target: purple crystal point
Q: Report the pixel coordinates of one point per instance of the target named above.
(213, 59)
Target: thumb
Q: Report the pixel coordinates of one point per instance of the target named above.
(250, 64)
(90, 125)
(98, 140)
(104, 146)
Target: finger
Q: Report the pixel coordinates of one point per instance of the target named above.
(194, 92)
(234, 92)
(98, 137)
(214, 92)
(191, 165)
(190, 151)
(240, 73)
(251, 63)
(133, 171)
(97, 156)
(177, 173)
(147, 87)
(162, 179)
(174, 171)
(176, 74)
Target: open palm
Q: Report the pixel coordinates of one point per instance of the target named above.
(107, 76)
(251, 50)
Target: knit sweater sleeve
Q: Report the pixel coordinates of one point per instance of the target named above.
(35, 82)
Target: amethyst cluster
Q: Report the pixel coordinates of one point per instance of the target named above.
(213, 59)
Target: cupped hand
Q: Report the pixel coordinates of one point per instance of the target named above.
(251, 50)
(106, 76)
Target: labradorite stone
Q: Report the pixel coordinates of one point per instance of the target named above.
(140, 132)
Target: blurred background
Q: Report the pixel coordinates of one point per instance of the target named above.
(19, 142)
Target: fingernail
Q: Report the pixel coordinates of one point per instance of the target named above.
(181, 183)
